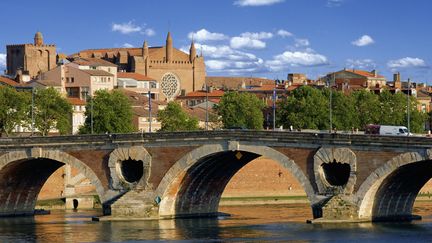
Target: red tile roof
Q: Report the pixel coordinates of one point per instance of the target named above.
(76, 101)
(201, 93)
(136, 76)
(93, 72)
(235, 82)
(8, 81)
(363, 73)
(94, 62)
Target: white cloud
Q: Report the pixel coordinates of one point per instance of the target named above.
(126, 28)
(301, 42)
(247, 43)
(363, 41)
(2, 60)
(244, 3)
(334, 3)
(130, 27)
(360, 63)
(203, 35)
(149, 32)
(295, 59)
(222, 58)
(284, 33)
(257, 36)
(127, 45)
(406, 62)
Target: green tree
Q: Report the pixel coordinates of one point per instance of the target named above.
(174, 118)
(51, 111)
(111, 112)
(306, 107)
(344, 114)
(241, 110)
(14, 107)
(368, 108)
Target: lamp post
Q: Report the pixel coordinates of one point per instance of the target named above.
(32, 112)
(150, 110)
(408, 106)
(274, 109)
(206, 114)
(91, 114)
(87, 96)
(330, 106)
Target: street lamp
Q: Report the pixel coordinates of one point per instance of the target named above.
(274, 109)
(87, 96)
(150, 110)
(408, 105)
(206, 114)
(330, 106)
(32, 112)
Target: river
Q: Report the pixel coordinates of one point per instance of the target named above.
(259, 223)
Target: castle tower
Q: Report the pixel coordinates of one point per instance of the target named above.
(192, 52)
(38, 39)
(169, 48)
(31, 59)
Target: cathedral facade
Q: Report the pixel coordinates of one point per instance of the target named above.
(31, 59)
(177, 72)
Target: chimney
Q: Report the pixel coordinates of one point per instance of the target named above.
(374, 72)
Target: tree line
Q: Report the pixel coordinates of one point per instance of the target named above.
(309, 108)
(304, 108)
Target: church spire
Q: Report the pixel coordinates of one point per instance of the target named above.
(145, 50)
(169, 48)
(192, 51)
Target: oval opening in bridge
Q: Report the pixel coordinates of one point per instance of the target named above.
(336, 173)
(132, 170)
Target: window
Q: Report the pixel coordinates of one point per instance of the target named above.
(72, 79)
(67, 79)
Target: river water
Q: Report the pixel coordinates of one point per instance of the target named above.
(280, 223)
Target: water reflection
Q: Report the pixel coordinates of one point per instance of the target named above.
(246, 223)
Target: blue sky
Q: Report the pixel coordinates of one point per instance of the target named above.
(260, 38)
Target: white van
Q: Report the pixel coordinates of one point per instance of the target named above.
(394, 130)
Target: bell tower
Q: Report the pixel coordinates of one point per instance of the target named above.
(38, 39)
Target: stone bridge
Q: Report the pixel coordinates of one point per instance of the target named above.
(160, 175)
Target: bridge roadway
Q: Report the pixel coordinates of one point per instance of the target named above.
(346, 177)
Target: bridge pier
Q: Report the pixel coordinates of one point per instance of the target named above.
(135, 204)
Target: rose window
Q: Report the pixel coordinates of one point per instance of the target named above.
(170, 85)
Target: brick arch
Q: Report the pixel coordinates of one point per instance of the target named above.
(169, 188)
(58, 156)
(366, 196)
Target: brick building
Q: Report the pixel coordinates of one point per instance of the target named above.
(31, 59)
(173, 69)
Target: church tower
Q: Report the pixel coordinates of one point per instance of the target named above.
(192, 52)
(146, 58)
(38, 39)
(145, 51)
(169, 48)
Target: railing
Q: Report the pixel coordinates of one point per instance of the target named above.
(270, 138)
